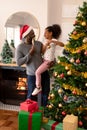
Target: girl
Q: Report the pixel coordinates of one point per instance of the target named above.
(51, 33)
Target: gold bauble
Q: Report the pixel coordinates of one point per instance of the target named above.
(55, 74)
(58, 76)
(52, 96)
(60, 105)
(83, 23)
(86, 95)
(50, 106)
(66, 68)
(58, 61)
(69, 72)
(85, 40)
(79, 14)
(86, 84)
(60, 90)
(71, 60)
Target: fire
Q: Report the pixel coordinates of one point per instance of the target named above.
(22, 84)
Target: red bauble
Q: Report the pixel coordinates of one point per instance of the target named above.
(85, 53)
(63, 113)
(80, 123)
(79, 51)
(74, 92)
(65, 98)
(62, 75)
(75, 23)
(74, 32)
(78, 61)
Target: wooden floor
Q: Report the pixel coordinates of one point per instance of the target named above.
(8, 120)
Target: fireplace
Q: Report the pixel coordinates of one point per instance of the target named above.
(13, 84)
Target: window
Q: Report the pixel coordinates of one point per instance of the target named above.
(13, 34)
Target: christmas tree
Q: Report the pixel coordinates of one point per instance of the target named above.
(6, 53)
(12, 43)
(12, 46)
(69, 91)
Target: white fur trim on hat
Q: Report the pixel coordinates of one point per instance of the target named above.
(26, 33)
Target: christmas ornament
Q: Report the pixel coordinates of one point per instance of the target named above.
(86, 95)
(65, 98)
(69, 72)
(58, 76)
(55, 74)
(79, 51)
(79, 14)
(62, 75)
(66, 68)
(60, 105)
(80, 123)
(78, 61)
(83, 23)
(74, 92)
(58, 61)
(74, 32)
(50, 106)
(52, 96)
(48, 97)
(63, 113)
(86, 84)
(85, 53)
(60, 90)
(71, 60)
(75, 23)
(85, 40)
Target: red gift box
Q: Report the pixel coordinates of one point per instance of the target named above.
(29, 105)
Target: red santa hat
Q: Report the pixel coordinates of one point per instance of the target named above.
(24, 31)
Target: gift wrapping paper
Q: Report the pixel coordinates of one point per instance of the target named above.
(29, 121)
(30, 106)
(70, 122)
(59, 126)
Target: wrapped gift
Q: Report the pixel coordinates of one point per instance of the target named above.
(29, 121)
(52, 125)
(29, 105)
(70, 122)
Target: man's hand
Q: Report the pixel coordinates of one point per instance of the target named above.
(32, 50)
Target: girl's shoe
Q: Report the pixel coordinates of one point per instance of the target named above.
(36, 91)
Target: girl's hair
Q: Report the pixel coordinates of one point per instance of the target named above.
(55, 29)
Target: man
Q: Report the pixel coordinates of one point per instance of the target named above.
(29, 53)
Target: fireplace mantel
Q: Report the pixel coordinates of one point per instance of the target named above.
(12, 66)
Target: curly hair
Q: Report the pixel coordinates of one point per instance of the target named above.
(55, 29)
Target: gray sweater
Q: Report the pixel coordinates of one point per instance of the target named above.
(22, 56)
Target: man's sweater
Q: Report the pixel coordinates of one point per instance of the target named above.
(22, 56)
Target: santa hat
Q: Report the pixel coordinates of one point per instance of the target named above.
(24, 31)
